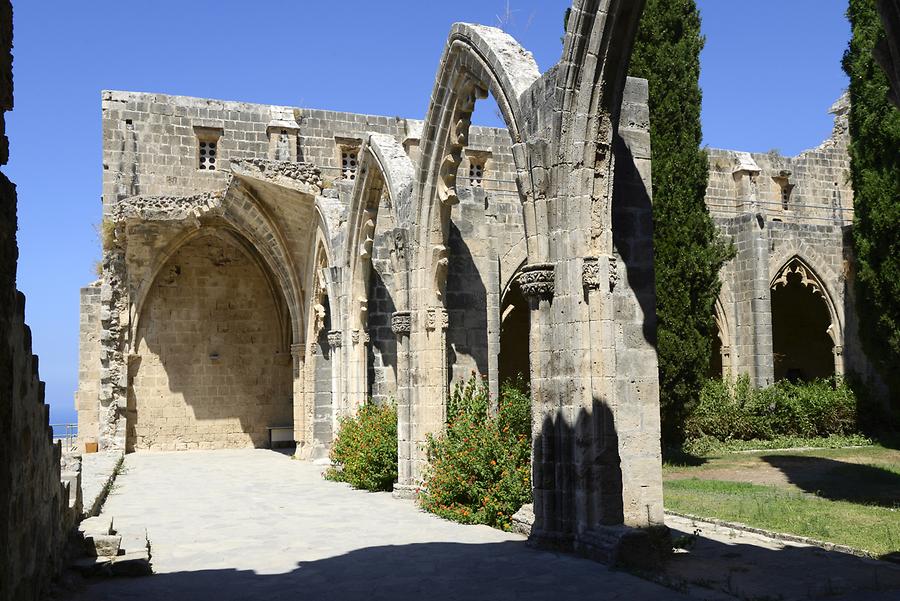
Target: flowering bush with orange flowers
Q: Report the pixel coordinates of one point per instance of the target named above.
(364, 453)
(480, 467)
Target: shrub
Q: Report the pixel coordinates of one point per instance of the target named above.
(364, 453)
(736, 411)
(480, 467)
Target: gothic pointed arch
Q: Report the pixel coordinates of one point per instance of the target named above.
(386, 181)
(476, 60)
(807, 330)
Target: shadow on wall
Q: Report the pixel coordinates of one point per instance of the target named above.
(567, 472)
(466, 304)
(632, 232)
(382, 351)
(839, 480)
(211, 371)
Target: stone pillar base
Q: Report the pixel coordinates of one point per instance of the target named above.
(640, 548)
(406, 491)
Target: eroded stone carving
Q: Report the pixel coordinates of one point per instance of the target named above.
(401, 323)
(335, 339)
(458, 138)
(437, 318)
(537, 280)
(271, 170)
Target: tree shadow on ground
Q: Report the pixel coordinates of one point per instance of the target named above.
(838, 480)
(719, 560)
(511, 571)
(676, 457)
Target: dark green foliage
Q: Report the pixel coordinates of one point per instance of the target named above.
(688, 251)
(364, 453)
(875, 172)
(480, 468)
(738, 411)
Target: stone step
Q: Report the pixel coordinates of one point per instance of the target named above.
(99, 525)
(102, 545)
(92, 567)
(132, 563)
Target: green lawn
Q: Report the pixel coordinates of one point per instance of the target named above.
(867, 527)
(845, 496)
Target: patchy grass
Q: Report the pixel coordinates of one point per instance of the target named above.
(849, 496)
(868, 527)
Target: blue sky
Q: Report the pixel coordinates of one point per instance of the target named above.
(771, 69)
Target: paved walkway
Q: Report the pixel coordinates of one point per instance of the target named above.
(229, 525)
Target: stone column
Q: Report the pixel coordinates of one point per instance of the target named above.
(753, 330)
(340, 407)
(298, 355)
(405, 487)
(537, 284)
(113, 397)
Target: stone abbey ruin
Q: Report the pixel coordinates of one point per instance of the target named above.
(267, 269)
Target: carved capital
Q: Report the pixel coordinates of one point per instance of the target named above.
(613, 272)
(592, 275)
(537, 280)
(838, 350)
(437, 317)
(298, 350)
(335, 339)
(354, 336)
(401, 323)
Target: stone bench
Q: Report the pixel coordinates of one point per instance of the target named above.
(280, 436)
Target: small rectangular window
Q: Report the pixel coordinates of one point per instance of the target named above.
(349, 163)
(208, 148)
(476, 173)
(208, 155)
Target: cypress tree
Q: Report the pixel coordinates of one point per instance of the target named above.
(875, 173)
(689, 251)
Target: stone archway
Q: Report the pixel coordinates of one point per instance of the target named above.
(386, 180)
(477, 60)
(515, 325)
(212, 366)
(807, 337)
(720, 365)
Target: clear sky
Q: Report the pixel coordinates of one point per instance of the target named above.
(771, 69)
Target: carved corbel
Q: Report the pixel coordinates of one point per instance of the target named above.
(537, 280)
(401, 323)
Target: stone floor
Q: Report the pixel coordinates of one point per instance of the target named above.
(231, 525)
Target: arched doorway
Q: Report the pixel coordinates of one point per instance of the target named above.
(515, 321)
(212, 367)
(801, 325)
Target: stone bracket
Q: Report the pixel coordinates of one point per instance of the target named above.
(537, 280)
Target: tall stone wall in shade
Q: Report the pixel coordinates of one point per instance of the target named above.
(34, 516)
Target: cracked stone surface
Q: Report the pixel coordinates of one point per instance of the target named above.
(253, 524)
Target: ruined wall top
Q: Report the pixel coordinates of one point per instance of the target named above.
(6, 78)
(812, 187)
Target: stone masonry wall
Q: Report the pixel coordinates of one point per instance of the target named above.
(212, 372)
(34, 517)
(775, 209)
(88, 363)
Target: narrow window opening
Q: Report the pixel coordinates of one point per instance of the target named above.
(208, 149)
(349, 163)
(476, 173)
